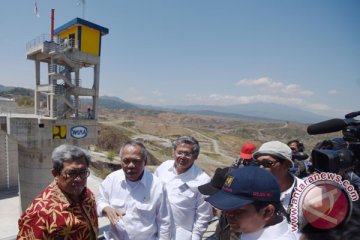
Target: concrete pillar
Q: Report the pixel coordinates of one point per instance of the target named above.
(34, 173)
(76, 97)
(96, 87)
(35, 146)
(37, 94)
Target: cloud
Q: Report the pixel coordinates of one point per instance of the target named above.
(157, 93)
(271, 86)
(315, 107)
(333, 92)
(229, 99)
(224, 100)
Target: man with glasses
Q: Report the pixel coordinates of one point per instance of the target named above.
(182, 178)
(66, 209)
(275, 157)
(134, 200)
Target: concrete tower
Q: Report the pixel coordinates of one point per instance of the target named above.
(65, 111)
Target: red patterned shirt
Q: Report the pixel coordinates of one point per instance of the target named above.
(52, 216)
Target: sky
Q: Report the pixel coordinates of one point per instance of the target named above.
(304, 54)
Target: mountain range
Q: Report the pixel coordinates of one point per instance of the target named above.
(255, 111)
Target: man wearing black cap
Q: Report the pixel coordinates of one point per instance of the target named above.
(222, 231)
(250, 199)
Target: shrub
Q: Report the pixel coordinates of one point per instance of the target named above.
(110, 155)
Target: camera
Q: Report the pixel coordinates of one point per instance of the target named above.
(340, 153)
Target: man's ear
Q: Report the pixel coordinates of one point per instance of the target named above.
(268, 212)
(54, 173)
(287, 164)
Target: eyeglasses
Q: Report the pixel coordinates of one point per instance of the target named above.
(265, 164)
(74, 174)
(184, 154)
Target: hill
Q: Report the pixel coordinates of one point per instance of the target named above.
(220, 138)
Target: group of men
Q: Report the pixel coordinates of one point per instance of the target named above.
(255, 197)
(139, 204)
(176, 202)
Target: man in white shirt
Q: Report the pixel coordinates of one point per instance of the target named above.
(250, 199)
(134, 200)
(182, 178)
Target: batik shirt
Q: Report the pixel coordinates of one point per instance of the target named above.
(51, 215)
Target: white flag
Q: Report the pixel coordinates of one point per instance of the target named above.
(36, 10)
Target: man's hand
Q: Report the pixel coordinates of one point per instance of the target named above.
(113, 214)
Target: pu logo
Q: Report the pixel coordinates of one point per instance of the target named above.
(229, 180)
(79, 132)
(59, 132)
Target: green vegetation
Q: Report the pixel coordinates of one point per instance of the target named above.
(111, 138)
(110, 155)
(100, 172)
(25, 101)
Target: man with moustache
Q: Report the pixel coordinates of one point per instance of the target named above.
(134, 200)
(182, 178)
(66, 209)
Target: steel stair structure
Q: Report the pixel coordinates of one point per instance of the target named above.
(63, 90)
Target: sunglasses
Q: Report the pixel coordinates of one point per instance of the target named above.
(265, 164)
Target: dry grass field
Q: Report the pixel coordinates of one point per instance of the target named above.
(220, 138)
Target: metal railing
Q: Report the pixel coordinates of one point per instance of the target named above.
(62, 44)
(39, 40)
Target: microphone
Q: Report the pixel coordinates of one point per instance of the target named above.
(352, 114)
(329, 126)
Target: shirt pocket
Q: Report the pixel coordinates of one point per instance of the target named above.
(118, 204)
(146, 213)
(186, 199)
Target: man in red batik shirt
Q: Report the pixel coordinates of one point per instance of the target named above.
(66, 209)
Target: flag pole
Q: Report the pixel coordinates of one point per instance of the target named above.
(52, 25)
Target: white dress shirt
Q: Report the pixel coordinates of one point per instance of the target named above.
(280, 231)
(148, 213)
(285, 196)
(191, 212)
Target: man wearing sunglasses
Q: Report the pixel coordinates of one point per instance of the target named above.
(275, 157)
(182, 178)
(66, 209)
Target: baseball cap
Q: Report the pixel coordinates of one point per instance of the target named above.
(246, 150)
(244, 186)
(216, 182)
(275, 148)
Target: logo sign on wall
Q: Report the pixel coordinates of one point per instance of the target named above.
(79, 132)
(59, 132)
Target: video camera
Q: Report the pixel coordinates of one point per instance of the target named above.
(301, 156)
(338, 158)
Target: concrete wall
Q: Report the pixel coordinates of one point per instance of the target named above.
(7, 106)
(8, 162)
(37, 138)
